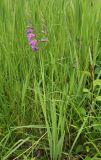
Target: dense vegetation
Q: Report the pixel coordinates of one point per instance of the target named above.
(50, 100)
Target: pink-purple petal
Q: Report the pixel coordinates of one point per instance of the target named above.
(29, 31)
(34, 48)
(33, 42)
(30, 36)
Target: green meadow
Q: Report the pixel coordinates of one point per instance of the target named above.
(50, 100)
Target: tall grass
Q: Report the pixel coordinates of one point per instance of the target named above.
(50, 100)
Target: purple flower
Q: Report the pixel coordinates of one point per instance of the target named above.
(30, 36)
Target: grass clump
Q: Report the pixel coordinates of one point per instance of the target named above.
(50, 99)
